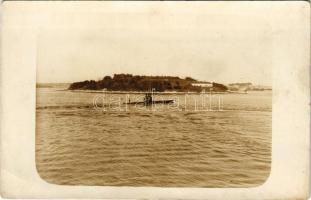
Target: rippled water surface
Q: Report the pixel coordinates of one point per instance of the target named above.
(79, 145)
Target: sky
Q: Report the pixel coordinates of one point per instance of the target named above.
(227, 46)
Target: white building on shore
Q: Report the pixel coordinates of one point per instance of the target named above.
(203, 84)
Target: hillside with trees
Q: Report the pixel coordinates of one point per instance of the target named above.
(129, 82)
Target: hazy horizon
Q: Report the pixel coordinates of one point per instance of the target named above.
(111, 75)
(224, 47)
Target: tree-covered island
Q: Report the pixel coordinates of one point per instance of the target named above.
(129, 82)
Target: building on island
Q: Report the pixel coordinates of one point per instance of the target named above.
(202, 84)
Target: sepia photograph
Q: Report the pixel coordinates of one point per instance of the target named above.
(160, 104)
(155, 100)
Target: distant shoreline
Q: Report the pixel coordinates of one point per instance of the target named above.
(156, 93)
(138, 92)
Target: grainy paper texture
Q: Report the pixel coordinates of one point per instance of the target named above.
(282, 41)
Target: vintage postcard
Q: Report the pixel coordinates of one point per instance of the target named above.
(155, 100)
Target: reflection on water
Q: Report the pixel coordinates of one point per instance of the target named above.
(79, 145)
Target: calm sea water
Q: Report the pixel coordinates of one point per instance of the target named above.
(77, 144)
